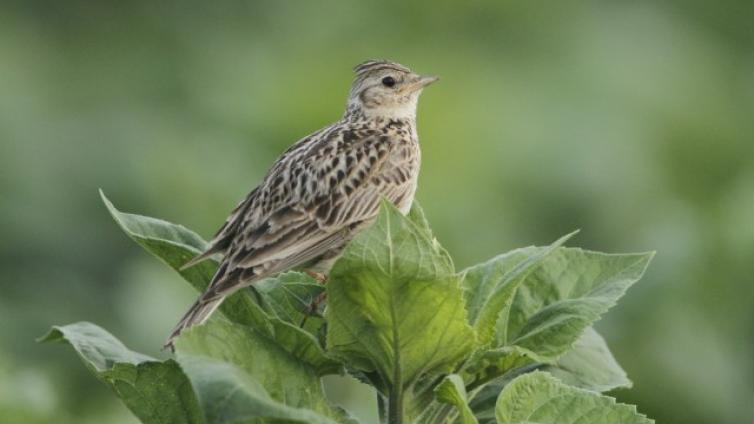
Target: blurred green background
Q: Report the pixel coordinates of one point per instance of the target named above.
(632, 120)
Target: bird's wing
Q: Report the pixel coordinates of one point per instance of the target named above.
(224, 237)
(311, 202)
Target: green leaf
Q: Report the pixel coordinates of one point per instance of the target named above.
(453, 392)
(554, 305)
(163, 392)
(156, 392)
(490, 286)
(286, 299)
(565, 295)
(175, 245)
(395, 303)
(285, 378)
(289, 296)
(590, 365)
(229, 395)
(539, 398)
(274, 309)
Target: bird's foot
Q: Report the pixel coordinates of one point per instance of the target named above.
(320, 277)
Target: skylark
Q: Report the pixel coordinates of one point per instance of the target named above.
(322, 190)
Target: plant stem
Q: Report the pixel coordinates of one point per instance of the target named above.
(395, 401)
(395, 405)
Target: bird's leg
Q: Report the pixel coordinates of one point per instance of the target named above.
(322, 279)
(313, 307)
(314, 304)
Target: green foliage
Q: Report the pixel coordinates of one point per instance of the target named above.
(540, 398)
(568, 292)
(374, 319)
(276, 306)
(436, 344)
(241, 350)
(154, 391)
(452, 391)
(590, 365)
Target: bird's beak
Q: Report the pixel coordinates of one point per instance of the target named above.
(427, 80)
(419, 83)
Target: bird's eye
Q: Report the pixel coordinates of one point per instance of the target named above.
(388, 81)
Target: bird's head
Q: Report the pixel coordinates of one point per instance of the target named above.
(386, 89)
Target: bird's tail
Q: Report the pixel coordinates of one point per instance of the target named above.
(199, 312)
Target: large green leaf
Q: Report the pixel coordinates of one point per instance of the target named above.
(565, 295)
(175, 245)
(551, 309)
(540, 398)
(285, 378)
(275, 309)
(395, 306)
(489, 287)
(590, 365)
(156, 392)
(202, 387)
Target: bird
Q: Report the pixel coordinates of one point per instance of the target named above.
(322, 190)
